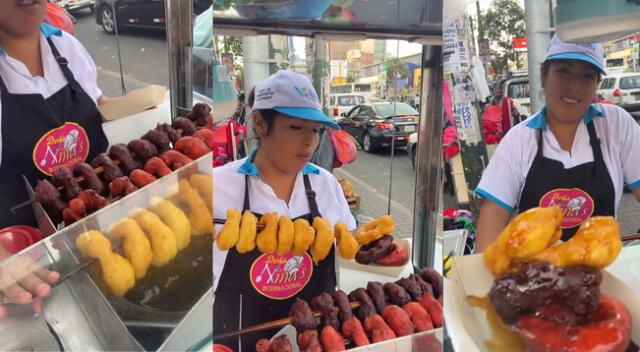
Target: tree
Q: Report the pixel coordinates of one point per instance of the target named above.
(503, 21)
(396, 69)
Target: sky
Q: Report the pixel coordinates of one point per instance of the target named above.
(405, 48)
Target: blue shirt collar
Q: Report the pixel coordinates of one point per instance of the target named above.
(47, 30)
(250, 168)
(539, 120)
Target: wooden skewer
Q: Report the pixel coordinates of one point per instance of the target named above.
(273, 324)
(635, 236)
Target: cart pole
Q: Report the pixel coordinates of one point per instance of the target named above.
(429, 160)
(538, 21)
(179, 23)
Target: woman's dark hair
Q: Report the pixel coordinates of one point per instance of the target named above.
(546, 65)
(268, 115)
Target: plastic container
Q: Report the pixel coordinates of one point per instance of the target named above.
(18, 237)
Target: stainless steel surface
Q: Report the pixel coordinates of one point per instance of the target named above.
(538, 19)
(429, 161)
(195, 329)
(179, 17)
(45, 225)
(83, 320)
(21, 330)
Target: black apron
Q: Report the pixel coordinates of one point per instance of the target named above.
(257, 308)
(593, 178)
(26, 118)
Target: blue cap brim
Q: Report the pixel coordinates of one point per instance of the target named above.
(309, 114)
(578, 56)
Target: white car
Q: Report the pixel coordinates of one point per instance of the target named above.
(74, 5)
(622, 89)
(343, 103)
(517, 88)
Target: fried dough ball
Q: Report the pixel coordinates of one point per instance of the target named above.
(375, 229)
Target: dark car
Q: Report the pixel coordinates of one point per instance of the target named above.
(374, 125)
(147, 14)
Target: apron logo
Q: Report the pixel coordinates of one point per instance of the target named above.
(61, 147)
(280, 277)
(577, 206)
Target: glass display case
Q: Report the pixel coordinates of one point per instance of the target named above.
(163, 309)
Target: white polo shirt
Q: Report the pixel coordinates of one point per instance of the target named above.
(18, 80)
(503, 179)
(228, 190)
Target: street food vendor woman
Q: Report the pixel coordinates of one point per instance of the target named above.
(48, 104)
(276, 177)
(571, 153)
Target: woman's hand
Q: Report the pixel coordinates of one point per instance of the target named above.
(492, 220)
(24, 281)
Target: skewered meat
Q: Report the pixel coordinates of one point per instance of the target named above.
(142, 149)
(267, 239)
(48, 195)
(323, 241)
(187, 127)
(110, 171)
(64, 178)
(136, 246)
(411, 287)
(366, 304)
(303, 236)
(78, 206)
(91, 179)
(539, 284)
(397, 256)
(425, 286)
(181, 144)
(159, 138)
(434, 308)
(121, 187)
(228, 236)
(175, 218)
(281, 344)
(141, 178)
(376, 327)
(376, 291)
(347, 244)
(205, 135)
(371, 252)
(375, 229)
(397, 294)
(324, 303)
(117, 272)
(247, 240)
(163, 241)
(286, 231)
(308, 341)
(352, 329)
(398, 320)
(200, 114)
(69, 216)
(175, 160)
(331, 339)
(204, 184)
(344, 307)
(199, 215)
(121, 152)
(419, 316)
(192, 147)
(434, 278)
(157, 167)
(92, 200)
(303, 318)
(171, 133)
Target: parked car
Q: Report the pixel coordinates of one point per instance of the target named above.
(622, 89)
(147, 14)
(412, 151)
(374, 125)
(343, 103)
(75, 5)
(517, 88)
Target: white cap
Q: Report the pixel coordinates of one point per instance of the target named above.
(291, 94)
(588, 52)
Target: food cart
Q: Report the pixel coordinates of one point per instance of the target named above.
(413, 21)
